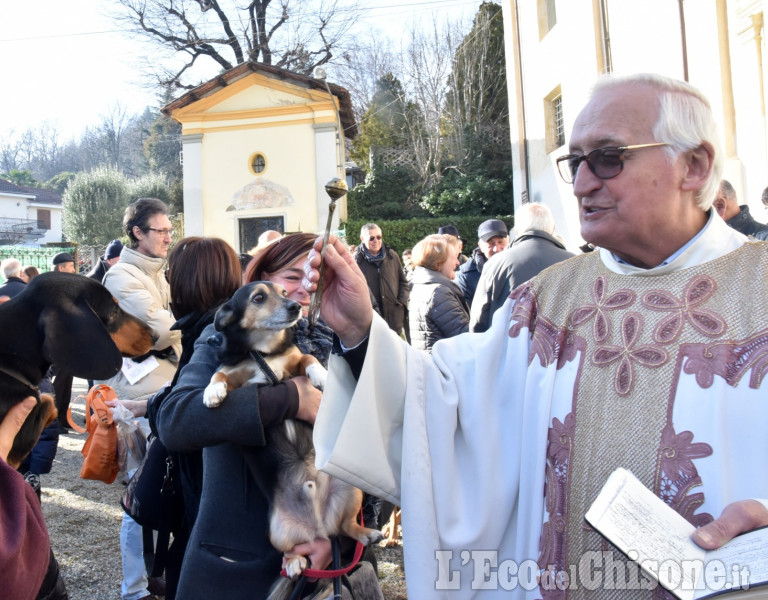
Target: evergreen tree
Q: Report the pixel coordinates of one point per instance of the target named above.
(477, 87)
(93, 206)
(387, 121)
(476, 123)
(58, 183)
(162, 146)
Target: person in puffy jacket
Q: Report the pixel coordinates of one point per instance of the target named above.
(436, 305)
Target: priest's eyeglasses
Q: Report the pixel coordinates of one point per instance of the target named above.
(605, 163)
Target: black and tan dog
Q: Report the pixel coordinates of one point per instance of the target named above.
(255, 325)
(67, 320)
(258, 319)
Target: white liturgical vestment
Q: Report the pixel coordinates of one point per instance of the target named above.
(496, 445)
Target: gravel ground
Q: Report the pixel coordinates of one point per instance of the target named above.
(84, 517)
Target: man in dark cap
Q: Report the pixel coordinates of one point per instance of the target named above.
(492, 237)
(111, 257)
(64, 262)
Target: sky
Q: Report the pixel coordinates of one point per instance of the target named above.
(64, 62)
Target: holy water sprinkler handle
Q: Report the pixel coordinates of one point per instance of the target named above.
(335, 188)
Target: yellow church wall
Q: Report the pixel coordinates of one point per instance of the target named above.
(290, 124)
(290, 155)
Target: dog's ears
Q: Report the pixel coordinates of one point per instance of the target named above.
(224, 316)
(76, 325)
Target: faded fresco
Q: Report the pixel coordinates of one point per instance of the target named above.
(261, 193)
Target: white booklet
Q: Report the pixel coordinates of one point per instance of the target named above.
(134, 371)
(651, 533)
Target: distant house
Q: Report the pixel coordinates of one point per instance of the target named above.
(258, 146)
(29, 215)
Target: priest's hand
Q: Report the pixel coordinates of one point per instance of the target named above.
(346, 305)
(738, 517)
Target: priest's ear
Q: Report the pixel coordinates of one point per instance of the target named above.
(698, 167)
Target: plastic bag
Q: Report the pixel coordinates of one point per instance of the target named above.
(100, 449)
(131, 440)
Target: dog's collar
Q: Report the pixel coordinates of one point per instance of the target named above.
(20, 378)
(259, 358)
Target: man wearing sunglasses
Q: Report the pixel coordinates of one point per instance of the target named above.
(647, 354)
(384, 274)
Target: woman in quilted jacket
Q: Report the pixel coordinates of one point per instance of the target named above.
(436, 306)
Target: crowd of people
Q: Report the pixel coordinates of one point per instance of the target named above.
(491, 395)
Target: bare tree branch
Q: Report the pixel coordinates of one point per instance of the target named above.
(361, 67)
(294, 34)
(231, 37)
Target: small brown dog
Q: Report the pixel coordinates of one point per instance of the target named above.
(257, 320)
(255, 325)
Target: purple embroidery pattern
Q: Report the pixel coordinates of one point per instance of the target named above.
(676, 473)
(628, 354)
(729, 360)
(601, 328)
(552, 544)
(696, 293)
(548, 342)
(524, 312)
(679, 475)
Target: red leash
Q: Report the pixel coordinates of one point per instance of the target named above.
(332, 573)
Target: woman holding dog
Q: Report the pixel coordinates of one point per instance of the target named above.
(229, 554)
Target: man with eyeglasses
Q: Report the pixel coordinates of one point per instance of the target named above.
(138, 283)
(647, 354)
(384, 275)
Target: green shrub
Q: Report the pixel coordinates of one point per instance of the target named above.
(152, 185)
(93, 206)
(457, 194)
(386, 194)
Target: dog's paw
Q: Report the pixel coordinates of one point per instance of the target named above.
(370, 536)
(214, 394)
(317, 375)
(295, 565)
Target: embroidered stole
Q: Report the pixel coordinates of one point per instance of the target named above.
(633, 335)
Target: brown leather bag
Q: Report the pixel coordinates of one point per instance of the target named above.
(100, 449)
